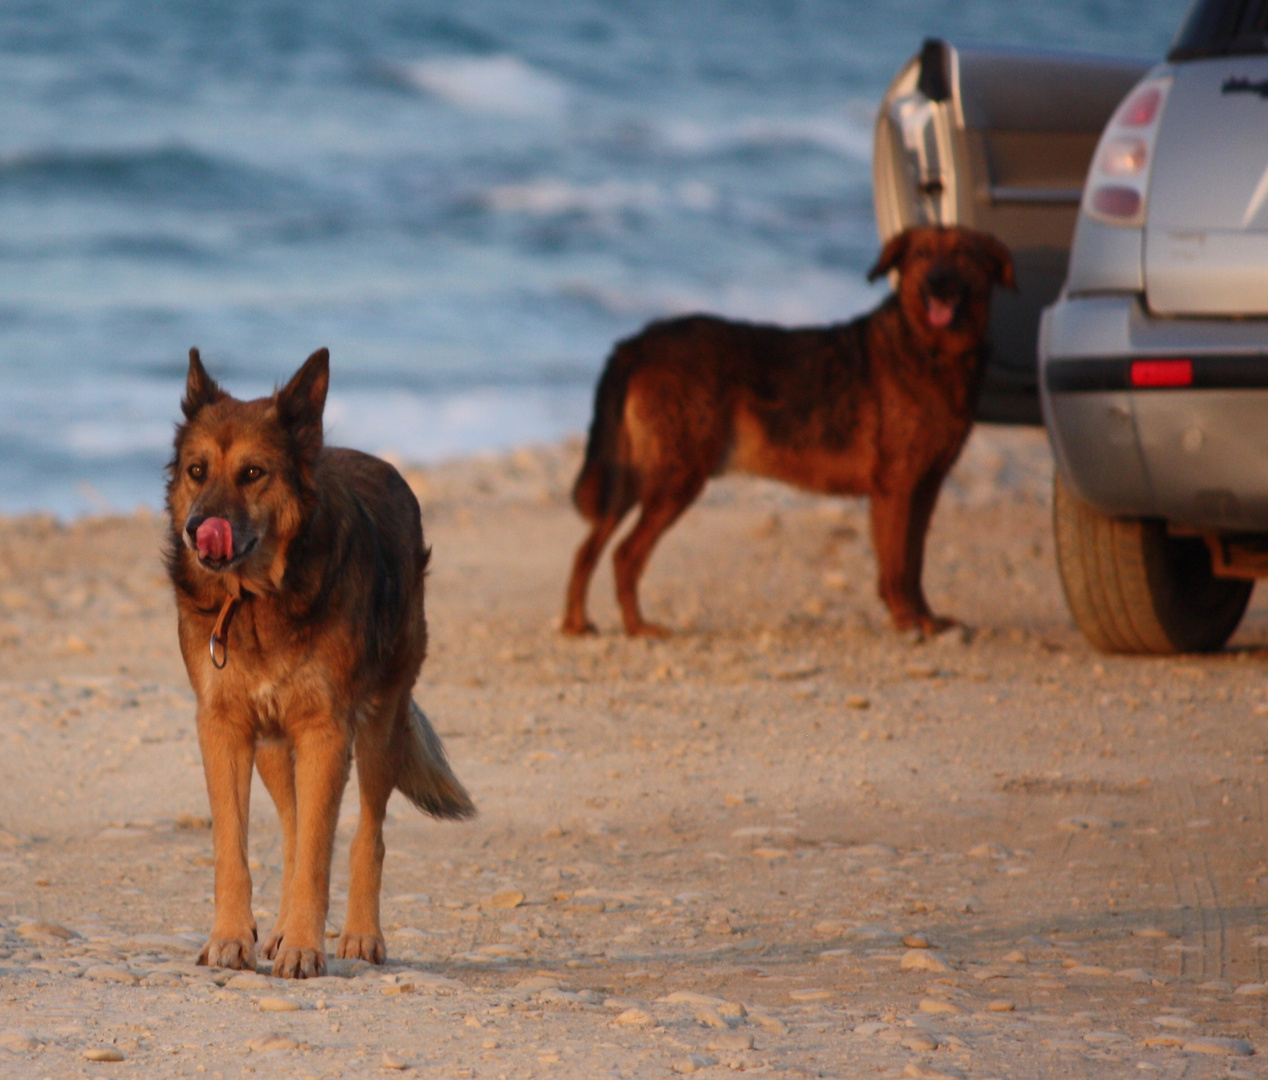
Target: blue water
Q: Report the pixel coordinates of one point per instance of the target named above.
(468, 202)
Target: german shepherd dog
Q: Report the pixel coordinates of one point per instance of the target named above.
(879, 406)
(299, 592)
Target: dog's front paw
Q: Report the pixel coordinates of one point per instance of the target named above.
(236, 953)
(578, 627)
(362, 947)
(271, 944)
(291, 962)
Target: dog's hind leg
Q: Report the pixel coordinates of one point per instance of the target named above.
(362, 937)
(322, 755)
(228, 753)
(277, 769)
(575, 621)
(662, 506)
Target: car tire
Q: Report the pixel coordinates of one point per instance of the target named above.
(1134, 588)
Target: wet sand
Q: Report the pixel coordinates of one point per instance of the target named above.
(787, 840)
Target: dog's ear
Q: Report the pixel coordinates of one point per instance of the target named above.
(998, 259)
(891, 256)
(301, 401)
(200, 388)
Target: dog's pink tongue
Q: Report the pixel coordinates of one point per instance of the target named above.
(940, 313)
(215, 539)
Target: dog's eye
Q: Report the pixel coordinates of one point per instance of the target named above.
(197, 471)
(251, 474)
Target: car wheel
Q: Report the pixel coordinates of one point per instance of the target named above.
(1134, 588)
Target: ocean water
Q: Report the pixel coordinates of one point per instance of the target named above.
(468, 202)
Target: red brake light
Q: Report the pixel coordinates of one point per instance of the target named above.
(1117, 185)
(1142, 109)
(1161, 373)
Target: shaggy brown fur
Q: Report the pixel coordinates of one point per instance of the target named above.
(880, 406)
(306, 563)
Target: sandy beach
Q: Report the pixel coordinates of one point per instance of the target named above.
(786, 841)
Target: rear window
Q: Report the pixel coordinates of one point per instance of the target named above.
(1222, 28)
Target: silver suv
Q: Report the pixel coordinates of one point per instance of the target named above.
(1153, 356)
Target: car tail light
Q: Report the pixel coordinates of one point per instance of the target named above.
(1118, 182)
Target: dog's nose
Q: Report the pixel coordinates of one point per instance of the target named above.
(191, 525)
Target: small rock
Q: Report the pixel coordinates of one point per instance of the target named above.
(1155, 1041)
(274, 1040)
(923, 960)
(932, 1072)
(870, 1027)
(1089, 969)
(916, 941)
(104, 1053)
(1150, 932)
(45, 930)
(710, 1018)
(770, 1024)
(278, 1004)
(248, 980)
(938, 1005)
(1252, 989)
(18, 1040)
(858, 701)
(508, 898)
(534, 983)
(690, 997)
(1016, 957)
(1212, 1045)
(813, 994)
(1001, 1005)
(692, 1063)
(920, 1041)
(1174, 1023)
(635, 1018)
(1136, 975)
(731, 1041)
(390, 1060)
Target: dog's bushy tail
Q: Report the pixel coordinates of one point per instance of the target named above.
(425, 777)
(601, 485)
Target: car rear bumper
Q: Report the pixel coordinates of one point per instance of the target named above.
(1164, 418)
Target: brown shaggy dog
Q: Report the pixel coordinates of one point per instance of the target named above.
(299, 590)
(879, 406)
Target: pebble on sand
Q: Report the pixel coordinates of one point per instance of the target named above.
(812, 994)
(104, 1053)
(1212, 1045)
(507, 898)
(390, 1060)
(277, 1004)
(731, 1040)
(692, 1063)
(271, 1042)
(938, 1005)
(17, 1040)
(920, 1041)
(248, 980)
(1252, 989)
(635, 1018)
(923, 960)
(1000, 1005)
